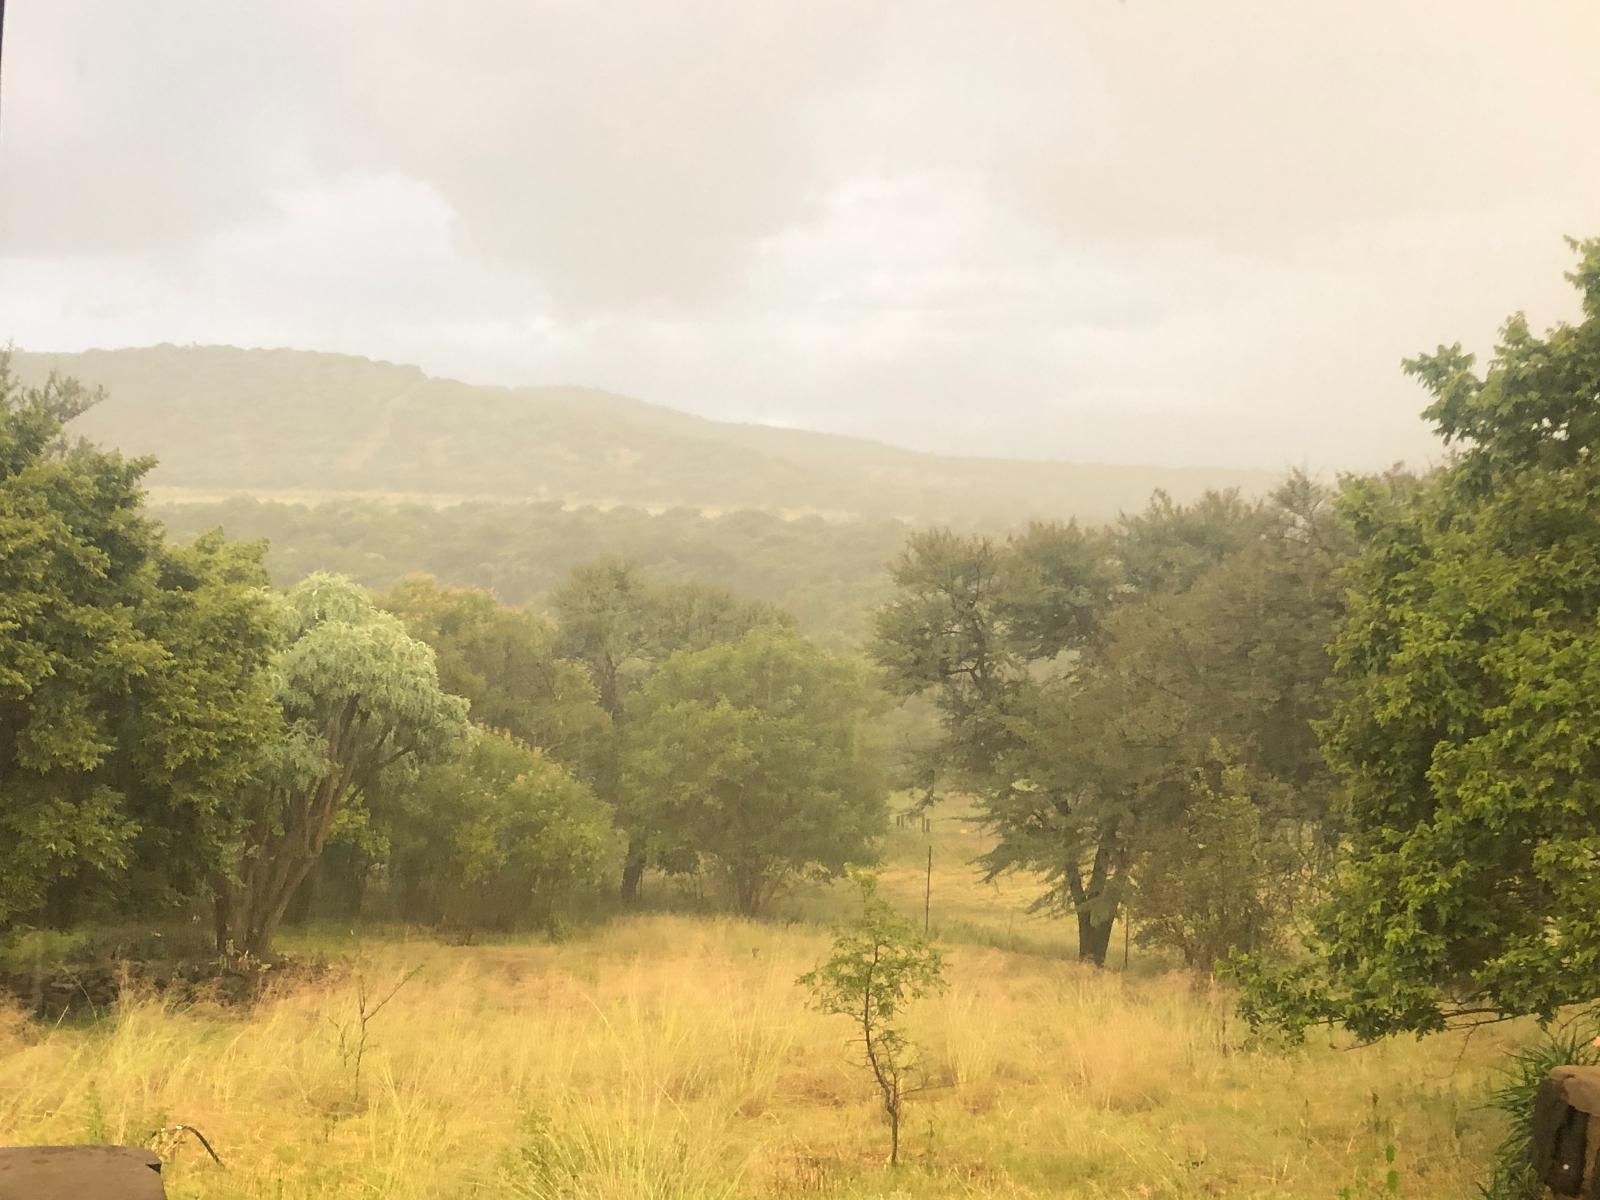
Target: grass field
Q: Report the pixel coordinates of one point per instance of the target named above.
(671, 1056)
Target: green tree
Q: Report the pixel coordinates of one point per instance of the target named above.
(1214, 882)
(500, 838)
(505, 662)
(879, 964)
(132, 699)
(753, 757)
(1467, 719)
(622, 625)
(359, 698)
(993, 634)
(1083, 679)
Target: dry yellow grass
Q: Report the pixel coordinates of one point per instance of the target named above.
(673, 1058)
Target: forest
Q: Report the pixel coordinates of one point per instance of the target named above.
(519, 847)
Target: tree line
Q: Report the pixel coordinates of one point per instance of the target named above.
(174, 731)
(827, 573)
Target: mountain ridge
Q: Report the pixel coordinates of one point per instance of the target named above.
(226, 420)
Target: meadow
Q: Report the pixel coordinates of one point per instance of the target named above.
(670, 1056)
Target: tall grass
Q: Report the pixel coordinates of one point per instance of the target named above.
(672, 1057)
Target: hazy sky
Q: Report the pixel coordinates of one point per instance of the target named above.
(1176, 231)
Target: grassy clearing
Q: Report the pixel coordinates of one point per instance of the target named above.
(671, 1057)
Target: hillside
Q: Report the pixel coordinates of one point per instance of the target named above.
(291, 423)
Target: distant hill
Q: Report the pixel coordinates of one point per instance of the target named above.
(295, 424)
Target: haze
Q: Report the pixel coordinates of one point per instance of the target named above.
(1120, 232)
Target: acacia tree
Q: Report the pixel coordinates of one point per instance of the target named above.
(1467, 718)
(359, 697)
(879, 964)
(990, 632)
(132, 702)
(1083, 679)
(752, 757)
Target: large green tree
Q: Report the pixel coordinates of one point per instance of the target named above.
(132, 699)
(1467, 719)
(622, 624)
(359, 697)
(753, 758)
(1085, 681)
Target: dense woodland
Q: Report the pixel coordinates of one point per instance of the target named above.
(1338, 741)
(829, 574)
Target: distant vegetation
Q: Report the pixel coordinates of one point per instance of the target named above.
(829, 575)
(226, 421)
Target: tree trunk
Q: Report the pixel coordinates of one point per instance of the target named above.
(222, 914)
(266, 910)
(303, 900)
(1094, 936)
(748, 893)
(632, 870)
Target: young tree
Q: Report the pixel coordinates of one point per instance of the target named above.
(752, 756)
(132, 696)
(359, 697)
(878, 966)
(1467, 719)
(1214, 882)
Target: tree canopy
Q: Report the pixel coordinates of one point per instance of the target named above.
(1467, 719)
(359, 697)
(752, 758)
(1092, 685)
(132, 703)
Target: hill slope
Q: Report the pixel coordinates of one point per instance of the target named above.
(228, 421)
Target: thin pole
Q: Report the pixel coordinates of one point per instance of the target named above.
(1126, 926)
(927, 893)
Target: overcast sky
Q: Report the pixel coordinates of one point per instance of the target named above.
(1175, 231)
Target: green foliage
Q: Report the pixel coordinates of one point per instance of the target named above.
(132, 703)
(1468, 712)
(504, 661)
(622, 624)
(1084, 679)
(1380, 1184)
(1213, 883)
(752, 757)
(500, 838)
(360, 699)
(879, 965)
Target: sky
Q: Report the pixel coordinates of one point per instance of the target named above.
(1187, 232)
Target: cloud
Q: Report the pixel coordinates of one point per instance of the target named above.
(1124, 230)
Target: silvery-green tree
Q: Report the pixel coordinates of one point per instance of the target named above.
(359, 697)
